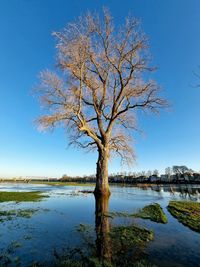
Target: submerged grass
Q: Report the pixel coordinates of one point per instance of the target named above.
(6, 215)
(153, 212)
(21, 196)
(94, 262)
(119, 246)
(131, 235)
(187, 212)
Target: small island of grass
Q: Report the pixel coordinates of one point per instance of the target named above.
(153, 212)
(187, 212)
(21, 196)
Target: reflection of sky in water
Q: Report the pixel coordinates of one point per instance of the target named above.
(52, 227)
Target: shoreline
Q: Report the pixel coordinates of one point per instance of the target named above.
(59, 183)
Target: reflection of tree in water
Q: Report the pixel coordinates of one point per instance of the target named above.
(119, 245)
(102, 226)
(112, 246)
(184, 191)
(189, 192)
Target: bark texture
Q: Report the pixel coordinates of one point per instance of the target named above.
(102, 185)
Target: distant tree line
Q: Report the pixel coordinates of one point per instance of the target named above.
(175, 174)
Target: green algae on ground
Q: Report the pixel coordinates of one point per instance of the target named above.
(7, 258)
(21, 196)
(127, 244)
(6, 215)
(94, 262)
(124, 245)
(187, 212)
(113, 214)
(131, 235)
(153, 212)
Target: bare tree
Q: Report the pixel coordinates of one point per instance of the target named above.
(180, 170)
(168, 172)
(99, 88)
(156, 172)
(149, 173)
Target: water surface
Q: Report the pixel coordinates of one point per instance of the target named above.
(52, 229)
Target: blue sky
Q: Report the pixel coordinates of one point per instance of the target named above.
(27, 47)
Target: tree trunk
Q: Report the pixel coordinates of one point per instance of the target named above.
(102, 186)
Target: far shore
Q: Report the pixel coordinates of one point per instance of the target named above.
(84, 183)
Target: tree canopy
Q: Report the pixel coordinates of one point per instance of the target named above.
(100, 84)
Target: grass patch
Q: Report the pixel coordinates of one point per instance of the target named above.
(21, 196)
(53, 183)
(131, 235)
(94, 262)
(120, 246)
(64, 183)
(153, 212)
(187, 212)
(6, 215)
(128, 243)
(113, 214)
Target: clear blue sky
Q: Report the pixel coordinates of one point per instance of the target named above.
(27, 47)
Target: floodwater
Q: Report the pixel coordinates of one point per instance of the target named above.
(53, 230)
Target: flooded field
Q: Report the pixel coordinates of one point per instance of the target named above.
(69, 225)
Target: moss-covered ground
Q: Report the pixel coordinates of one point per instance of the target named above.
(6, 215)
(123, 246)
(131, 235)
(187, 212)
(153, 212)
(21, 196)
(53, 183)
